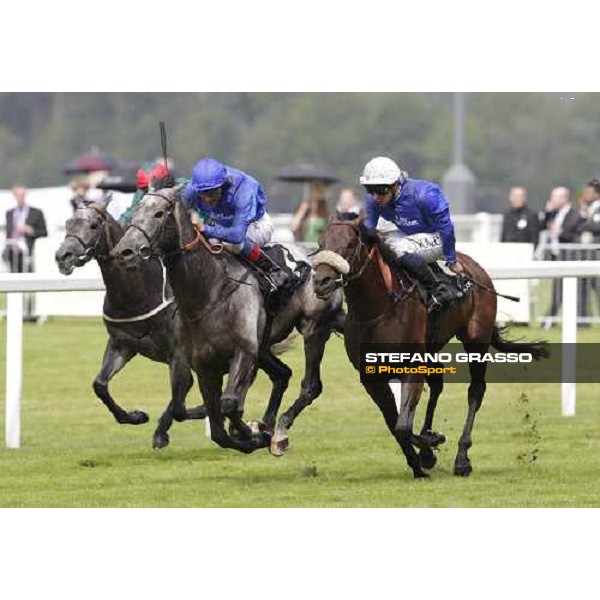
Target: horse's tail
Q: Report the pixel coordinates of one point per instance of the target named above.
(538, 349)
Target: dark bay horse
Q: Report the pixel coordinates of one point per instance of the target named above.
(226, 328)
(374, 316)
(140, 316)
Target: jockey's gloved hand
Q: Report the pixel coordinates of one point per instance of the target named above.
(371, 236)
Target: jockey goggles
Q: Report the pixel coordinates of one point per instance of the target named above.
(378, 190)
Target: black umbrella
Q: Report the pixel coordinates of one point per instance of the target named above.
(90, 162)
(304, 173)
(122, 179)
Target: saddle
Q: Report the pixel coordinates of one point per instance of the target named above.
(400, 284)
(297, 271)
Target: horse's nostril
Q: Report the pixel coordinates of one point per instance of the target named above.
(128, 252)
(145, 252)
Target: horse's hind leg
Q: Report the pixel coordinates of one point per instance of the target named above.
(311, 388)
(462, 464)
(428, 458)
(116, 356)
(279, 374)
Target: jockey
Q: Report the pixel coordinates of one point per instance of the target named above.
(233, 206)
(156, 178)
(424, 232)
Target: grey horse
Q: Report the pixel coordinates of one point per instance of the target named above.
(226, 327)
(140, 316)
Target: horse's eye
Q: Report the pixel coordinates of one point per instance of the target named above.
(94, 226)
(159, 214)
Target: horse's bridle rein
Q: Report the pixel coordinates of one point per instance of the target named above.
(344, 280)
(199, 240)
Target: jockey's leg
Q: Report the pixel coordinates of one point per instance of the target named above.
(413, 253)
(259, 233)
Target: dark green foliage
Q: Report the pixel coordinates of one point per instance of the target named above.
(533, 139)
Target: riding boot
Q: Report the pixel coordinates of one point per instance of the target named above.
(440, 293)
(277, 276)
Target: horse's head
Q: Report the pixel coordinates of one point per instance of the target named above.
(84, 233)
(149, 232)
(341, 256)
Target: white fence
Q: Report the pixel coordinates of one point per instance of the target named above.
(18, 283)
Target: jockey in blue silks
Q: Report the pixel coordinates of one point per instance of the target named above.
(232, 204)
(421, 213)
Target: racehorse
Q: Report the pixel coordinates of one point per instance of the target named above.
(139, 313)
(226, 327)
(349, 259)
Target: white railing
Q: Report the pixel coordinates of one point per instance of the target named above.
(15, 284)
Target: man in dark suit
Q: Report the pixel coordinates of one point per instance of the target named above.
(24, 225)
(520, 223)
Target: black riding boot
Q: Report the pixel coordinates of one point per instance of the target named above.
(277, 276)
(440, 293)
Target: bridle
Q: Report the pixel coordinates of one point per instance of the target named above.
(91, 252)
(198, 241)
(344, 280)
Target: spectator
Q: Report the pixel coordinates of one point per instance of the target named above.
(590, 229)
(24, 225)
(349, 205)
(589, 234)
(310, 218)
(562, 222)
(80, 189)
(520, 223)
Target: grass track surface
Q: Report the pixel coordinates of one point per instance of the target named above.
(74, 455)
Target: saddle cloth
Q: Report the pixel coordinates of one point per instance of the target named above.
(298, 272)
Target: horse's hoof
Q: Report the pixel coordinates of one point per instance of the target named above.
(433, 438)
(260, 427)
(420, 474)
(160, 442)
(428, 459)
(463, 469)
(279, 447)
(138, 417)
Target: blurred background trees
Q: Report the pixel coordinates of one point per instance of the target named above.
(531, 139)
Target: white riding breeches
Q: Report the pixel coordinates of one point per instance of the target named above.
(426, 245)
(259, 232)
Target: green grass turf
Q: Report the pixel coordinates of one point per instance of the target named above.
(74, 454)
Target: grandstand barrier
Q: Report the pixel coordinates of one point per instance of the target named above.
(15, 284)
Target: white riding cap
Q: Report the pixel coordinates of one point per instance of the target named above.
(381, 171)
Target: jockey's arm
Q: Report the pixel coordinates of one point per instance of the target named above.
(245, 211)
(373, 212)
(437, 209)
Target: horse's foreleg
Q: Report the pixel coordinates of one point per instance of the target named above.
(242, 371)
(311, 388)
(181, 383)
(115, 358)
(279, 374)
(428, 458)
(412, 387)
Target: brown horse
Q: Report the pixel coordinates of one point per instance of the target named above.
(374, 316)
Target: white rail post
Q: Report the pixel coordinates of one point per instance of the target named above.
(569, 340)
(14, 368)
